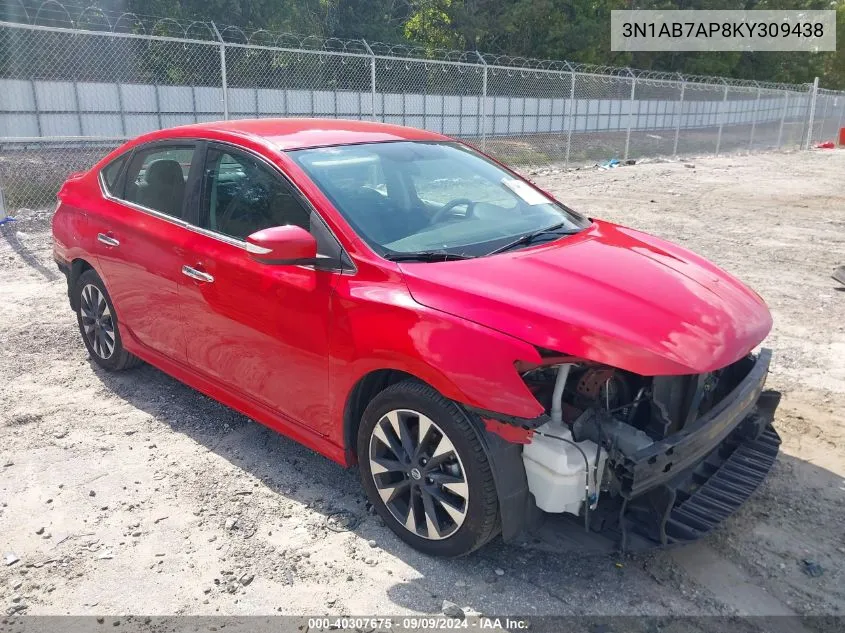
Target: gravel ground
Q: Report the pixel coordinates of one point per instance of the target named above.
(126, 493)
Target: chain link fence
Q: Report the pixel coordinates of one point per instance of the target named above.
(75, 85)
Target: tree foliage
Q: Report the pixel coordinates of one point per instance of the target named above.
(575, 30)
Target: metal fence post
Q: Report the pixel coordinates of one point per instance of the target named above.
(122, 109)
(680, 114)
(630, 112)
(571, 125)
(78, 107)
(224, 83)
(372, 78)
(482, 109)
(158, 105)
(814, 94)
(824, 116)
(3, 213)
(783, 115)
(722, 117)
(754, 120)
(37, 108)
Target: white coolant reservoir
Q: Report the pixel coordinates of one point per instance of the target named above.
(556, 471)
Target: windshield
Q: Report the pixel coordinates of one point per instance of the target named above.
(414, 197)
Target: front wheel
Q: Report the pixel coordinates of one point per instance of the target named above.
(426, 472)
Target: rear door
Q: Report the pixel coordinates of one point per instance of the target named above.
(261, 330)
(140, 234)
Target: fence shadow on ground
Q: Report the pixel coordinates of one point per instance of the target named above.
(10, 236)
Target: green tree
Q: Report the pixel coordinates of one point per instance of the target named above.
(575, 30)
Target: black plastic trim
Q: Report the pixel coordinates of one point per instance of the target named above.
(525, 423)
(663, 460)
(63, 265)
(515, 502)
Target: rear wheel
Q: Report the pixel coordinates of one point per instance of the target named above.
(426, 472)
(98, 324)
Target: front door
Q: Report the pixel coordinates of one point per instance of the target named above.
(139, 245)
(260, 330)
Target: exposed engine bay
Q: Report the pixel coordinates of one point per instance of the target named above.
(618, 443)
(625, 409)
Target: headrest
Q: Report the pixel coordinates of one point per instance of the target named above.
(166, 172)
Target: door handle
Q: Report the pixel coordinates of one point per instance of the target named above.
(108, 240)
(193, 273)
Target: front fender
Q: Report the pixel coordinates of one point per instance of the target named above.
(383, 328)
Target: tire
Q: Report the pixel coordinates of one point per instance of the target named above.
(448, 475)
(98, 324)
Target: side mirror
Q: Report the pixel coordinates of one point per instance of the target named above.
(282, 245)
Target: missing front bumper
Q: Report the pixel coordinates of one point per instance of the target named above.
(679, 489)
(662, 461)
(675, 512)
(686, 510)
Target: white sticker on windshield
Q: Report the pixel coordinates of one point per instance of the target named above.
(526, 192)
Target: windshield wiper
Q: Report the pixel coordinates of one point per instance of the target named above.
(530, 237)
(425, 256)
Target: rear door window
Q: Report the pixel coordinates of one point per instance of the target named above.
(157, 177)
(111, 173)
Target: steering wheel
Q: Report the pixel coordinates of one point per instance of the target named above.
(447, 208)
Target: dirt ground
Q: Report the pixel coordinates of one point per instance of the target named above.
(127, 493)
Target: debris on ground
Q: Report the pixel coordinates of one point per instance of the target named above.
(812, 568)
(41, 564)
(839, 274)
(825, 145)
(452, 610)
(10, 558)
(342, 521)
(689, 165)
(609, 164)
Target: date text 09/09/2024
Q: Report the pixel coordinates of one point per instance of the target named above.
(418, 623)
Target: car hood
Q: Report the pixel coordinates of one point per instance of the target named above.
(608, 294)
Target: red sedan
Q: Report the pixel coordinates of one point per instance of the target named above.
(492, 360)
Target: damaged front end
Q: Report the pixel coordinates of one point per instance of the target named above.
(643, 461)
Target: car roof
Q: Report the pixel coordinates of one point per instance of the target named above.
(288, 134)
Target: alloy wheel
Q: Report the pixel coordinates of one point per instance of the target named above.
(97, 322)
(418, 474)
